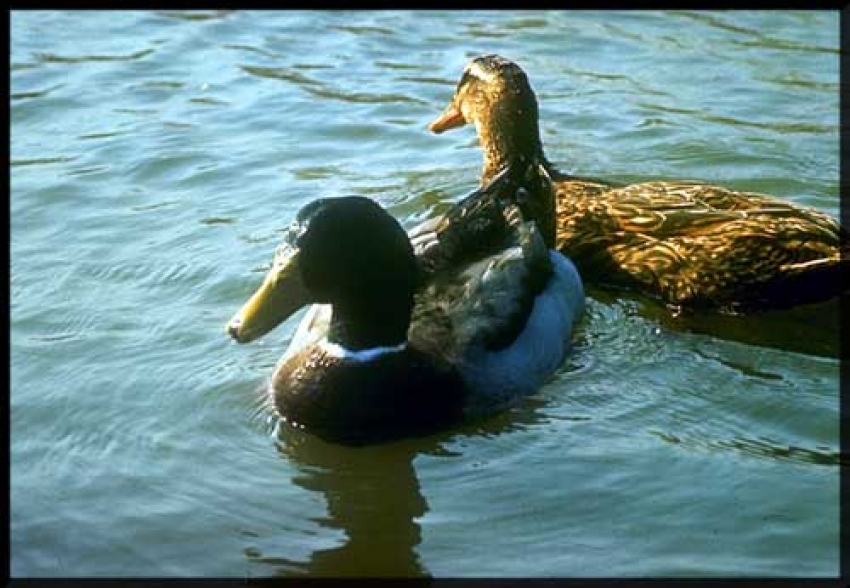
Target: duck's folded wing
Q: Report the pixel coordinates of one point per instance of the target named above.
(590, 213)
(699, 244)
(485, 302)
(425, 235)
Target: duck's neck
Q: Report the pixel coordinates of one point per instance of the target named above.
(518, 147)
(509, 144)
(376, 325)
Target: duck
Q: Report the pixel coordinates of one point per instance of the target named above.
(404, 337)
(691, 245)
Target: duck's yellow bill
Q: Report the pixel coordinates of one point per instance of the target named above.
(281, 294)
(450, 119)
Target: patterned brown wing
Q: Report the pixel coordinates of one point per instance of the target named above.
(696, 245)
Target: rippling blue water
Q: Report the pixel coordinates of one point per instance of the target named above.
(155, 158)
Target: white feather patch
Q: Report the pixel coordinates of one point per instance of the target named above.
(361, 355)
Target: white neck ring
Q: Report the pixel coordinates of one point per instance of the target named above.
(361, 355)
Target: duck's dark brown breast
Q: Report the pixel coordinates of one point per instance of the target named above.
(396, 395)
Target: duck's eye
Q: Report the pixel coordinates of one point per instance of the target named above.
(464, 79)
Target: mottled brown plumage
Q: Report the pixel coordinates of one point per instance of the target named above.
(699, 245)
(689, 244)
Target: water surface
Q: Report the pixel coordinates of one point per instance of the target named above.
(156, 158)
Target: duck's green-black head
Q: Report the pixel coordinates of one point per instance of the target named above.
(348, 252)
(494, 94)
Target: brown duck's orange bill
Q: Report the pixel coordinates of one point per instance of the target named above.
(450, 119)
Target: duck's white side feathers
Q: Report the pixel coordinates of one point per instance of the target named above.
(524, 366)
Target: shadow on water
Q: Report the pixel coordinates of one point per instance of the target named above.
(811, 329)
(373, 496)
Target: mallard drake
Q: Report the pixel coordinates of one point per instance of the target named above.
(691, 245)
(403, 340)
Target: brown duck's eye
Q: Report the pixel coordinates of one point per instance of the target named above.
(464, 79)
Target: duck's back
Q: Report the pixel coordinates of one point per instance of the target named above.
(505, 320)
(539, 348)
(698, 245)
(352, 401)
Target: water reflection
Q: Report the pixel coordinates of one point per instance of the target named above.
(374, 497)
(813, 329)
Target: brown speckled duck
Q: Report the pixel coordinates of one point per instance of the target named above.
(689, 244)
